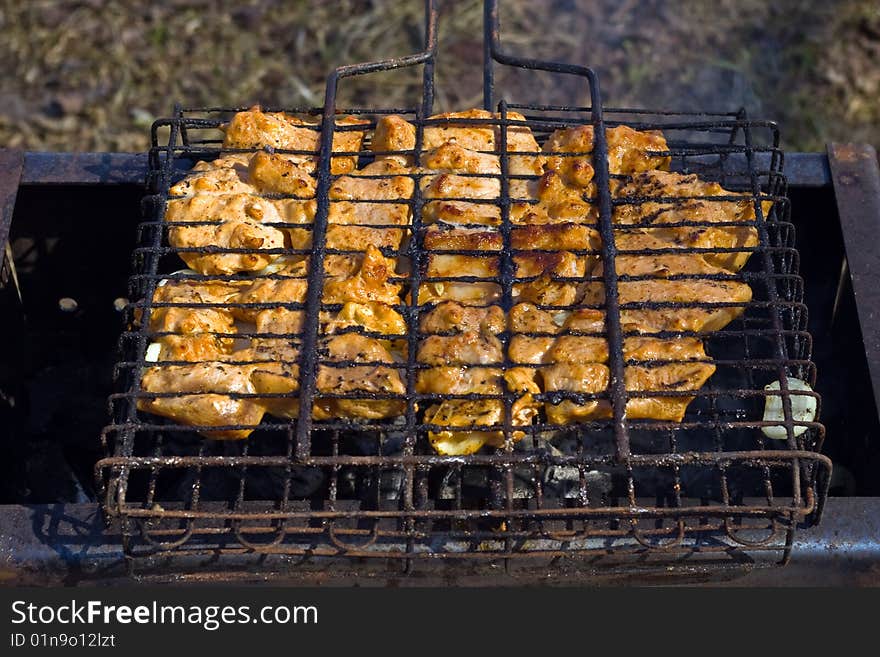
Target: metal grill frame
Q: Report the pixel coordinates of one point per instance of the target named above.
(502, 526)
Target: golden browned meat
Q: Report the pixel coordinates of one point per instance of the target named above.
(287, 285)
(713, 295)
(255, 129)
(368, 279)
(274, 371)
(192, 332)
(375, 318)
(449, 317)
(525, 157)
(225, 175)
(360, 381)
(659, 366)
(471, 136)
(550, 200)
(453, 415)
(467, 174)
(273, 173)
(648, 217)
(553, 237)
(466, 348)
(202, 397)
(629, 151)
(542, 271)
(265, 201)
(457, 266)
(392, 135)
(224, 221)
(444, 238)
(354, 210)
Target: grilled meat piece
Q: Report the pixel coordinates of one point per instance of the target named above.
(677, 365)
(224, 221)
(466, 175)
(453, 415)
(361, 381)
(648, 217)
(394, 134)
(255, 129)
(708, 299)
(273, 173)
(201, 397)
(366, 279)
(569, 152)
(444, 129)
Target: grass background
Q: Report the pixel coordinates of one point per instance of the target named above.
(93, 74)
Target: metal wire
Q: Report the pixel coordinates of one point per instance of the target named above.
(604, 486)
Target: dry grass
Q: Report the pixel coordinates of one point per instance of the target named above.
(93, 74)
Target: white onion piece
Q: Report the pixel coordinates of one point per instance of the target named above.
(803, 408)
(274, 267)
(561, 317)
(152, 354)
(179, 272)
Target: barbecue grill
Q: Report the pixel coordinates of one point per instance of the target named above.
(710, 494)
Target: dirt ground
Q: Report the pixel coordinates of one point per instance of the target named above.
(93, 75)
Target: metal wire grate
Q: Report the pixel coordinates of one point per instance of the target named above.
(614, 487)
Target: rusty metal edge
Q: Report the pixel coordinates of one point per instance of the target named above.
(11, 167)
(50, 168)
(856, 177)
(70, 544)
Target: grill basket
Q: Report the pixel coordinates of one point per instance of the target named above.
(710, 487)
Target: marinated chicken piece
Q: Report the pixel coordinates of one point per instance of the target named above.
(673, 365)
(528, 161)
(461, 335)
(711, 316)
(192, 331)
(201, 397)
(277, 322)
(192, 348)
(349, 238)
(373, 317)
(275, 174)
(554, 202)
(355, 210)
(451, 415)
(556, 237)
(224, 221)
(274, 371)
(544, 269)
(255, 129)
(267, 291)
(367, 280)
(451, 317)
(353, 379)
(629, 151)
(394, 134)
(458, 266)
(570, 154)
(472, 136)
(199, 306)
(528, 318)
(454, 158)
(467, 175)
(588, 379)
(466, 348)
(444, 238)
(650, 217)
(384, 180)
(225, 175)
